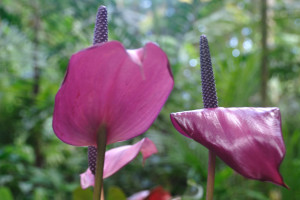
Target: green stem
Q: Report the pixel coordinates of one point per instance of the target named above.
(264, 57)
(101, 145)
(211, 175)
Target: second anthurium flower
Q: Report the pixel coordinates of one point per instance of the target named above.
(248, 139)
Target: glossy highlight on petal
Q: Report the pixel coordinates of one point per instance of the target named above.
(249, 140)
(117, 158)
(106, 85)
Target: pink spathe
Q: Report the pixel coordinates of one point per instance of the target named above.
(106, 85)
(249, 140)
(117, 158)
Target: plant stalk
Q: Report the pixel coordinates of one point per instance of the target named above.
(264, 57)
(210, 175)
(101, 146)
(210, 100)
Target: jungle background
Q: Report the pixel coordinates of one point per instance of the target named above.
(255, 47)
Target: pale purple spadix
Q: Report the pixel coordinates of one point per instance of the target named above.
(249, 140)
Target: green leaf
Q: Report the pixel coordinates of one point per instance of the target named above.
(40, 194)
(256, 195)
(115, 193)
(5, 193)
(80, 194)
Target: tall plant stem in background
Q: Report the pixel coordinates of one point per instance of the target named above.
(101, 145)
(264, 49)
(36, 136)
(210, 100)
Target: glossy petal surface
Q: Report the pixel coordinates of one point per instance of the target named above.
(107, 85)
(117, 158)
(249, 140)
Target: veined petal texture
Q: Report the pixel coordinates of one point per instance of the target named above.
(247, 139)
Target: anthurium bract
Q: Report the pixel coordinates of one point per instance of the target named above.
(117, 158)
(249, 140)
(107, 85)
(110, 94)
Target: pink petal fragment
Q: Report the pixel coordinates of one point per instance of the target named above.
(118, 157)
(249, 140)
(87, 179)
(157, 193)
(106, 85)
(142, 195)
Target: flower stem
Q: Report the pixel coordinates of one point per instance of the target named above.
(210, 175)
(102, 194)
(101, 145)
(210, 100)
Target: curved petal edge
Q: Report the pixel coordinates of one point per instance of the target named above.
(108, 85)
(117, 158)
(247, 139)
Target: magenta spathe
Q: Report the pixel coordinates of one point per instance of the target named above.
(247, 139)
(107, 85)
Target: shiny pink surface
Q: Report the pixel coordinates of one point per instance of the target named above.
(249, 140)
(117, 158)
(108, 85)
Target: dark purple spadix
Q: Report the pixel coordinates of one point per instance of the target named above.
(101, 30)
(92, 158)
(100, 36)
(209, 94)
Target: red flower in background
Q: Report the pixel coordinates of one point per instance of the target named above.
(157, 193)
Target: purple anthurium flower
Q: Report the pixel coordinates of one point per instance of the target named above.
(117, 158)
(107, 85)
(109, 95)
(249, 140)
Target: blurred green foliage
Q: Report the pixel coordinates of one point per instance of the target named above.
(38, 37)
